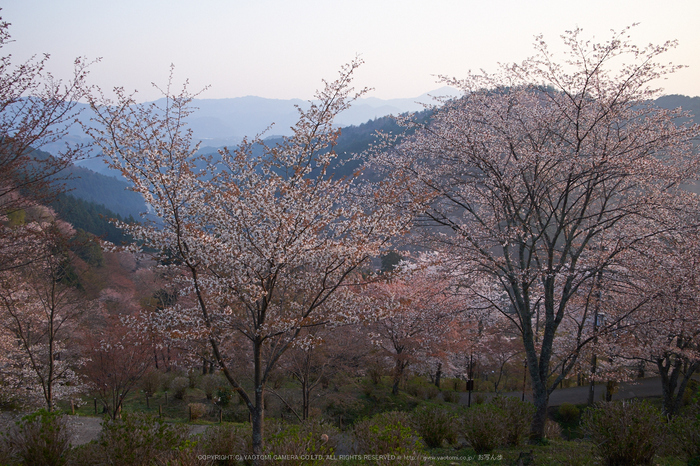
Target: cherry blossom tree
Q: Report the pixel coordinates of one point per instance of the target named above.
(268, 239)
(117, 359)
(544, 173)
(313, 359)
(35, 109)
(40, 311)
(419, 310)
(665, 331)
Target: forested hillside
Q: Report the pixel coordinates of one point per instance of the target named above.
(91, 217)
(93, 198)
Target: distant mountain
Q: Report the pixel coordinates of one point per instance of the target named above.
(689, 104)
(230, 120)
(225, 122)
(106, 191)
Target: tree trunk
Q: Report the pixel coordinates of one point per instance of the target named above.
(591, 383)
(398, 373)
(305, 398)
(395, 386)
(670, 373)
(438, 375)
(258, 413)
(541, 399)
(538, 366)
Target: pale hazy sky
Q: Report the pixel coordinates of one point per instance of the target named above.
(283, 48)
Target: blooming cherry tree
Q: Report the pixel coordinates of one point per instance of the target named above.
(40, 309)
(665, 329)
(544, 173)
(419, 311)
(268, 239)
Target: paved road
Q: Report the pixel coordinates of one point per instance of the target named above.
(641, 388)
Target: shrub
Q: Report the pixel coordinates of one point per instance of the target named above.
(685, 433)
(422, 389)
(224, 439)
(236, 413)
(435, 425)
(552, 430)
(483, 427)
(517, 418)
(209, 384)
(193, 377)
(310, 438)
(223, 395)
(89, 454)
(152, 382)
(375, 372)
(388, 434)
(628, 432)
(568, 412)
(179, 386)
(139, 439)
(450, 396)
(197, 410)
(41, 438)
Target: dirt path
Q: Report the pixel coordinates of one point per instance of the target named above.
(85, 429)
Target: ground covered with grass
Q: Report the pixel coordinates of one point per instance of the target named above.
(356, 422)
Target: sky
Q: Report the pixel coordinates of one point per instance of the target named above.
(284, 48)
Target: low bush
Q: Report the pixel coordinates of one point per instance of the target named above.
(435, 425)
(209, 384)
(41, 438)
(568, 412)
(193, 377)
(179, 386)
(517, 418)
(225, 439)
(450, 396)
(422, 389)
(197, 410)
(224, 395)
(152, 382)
(625, 433)
(484, 427)
(552, 430)
(311, 438)
(236, 413)
(138, 439)
(685, 433)
(389, 434)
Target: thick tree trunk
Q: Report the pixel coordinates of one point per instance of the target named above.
(257, 418)
(538, 366)
(670, 373)
(541, 400)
